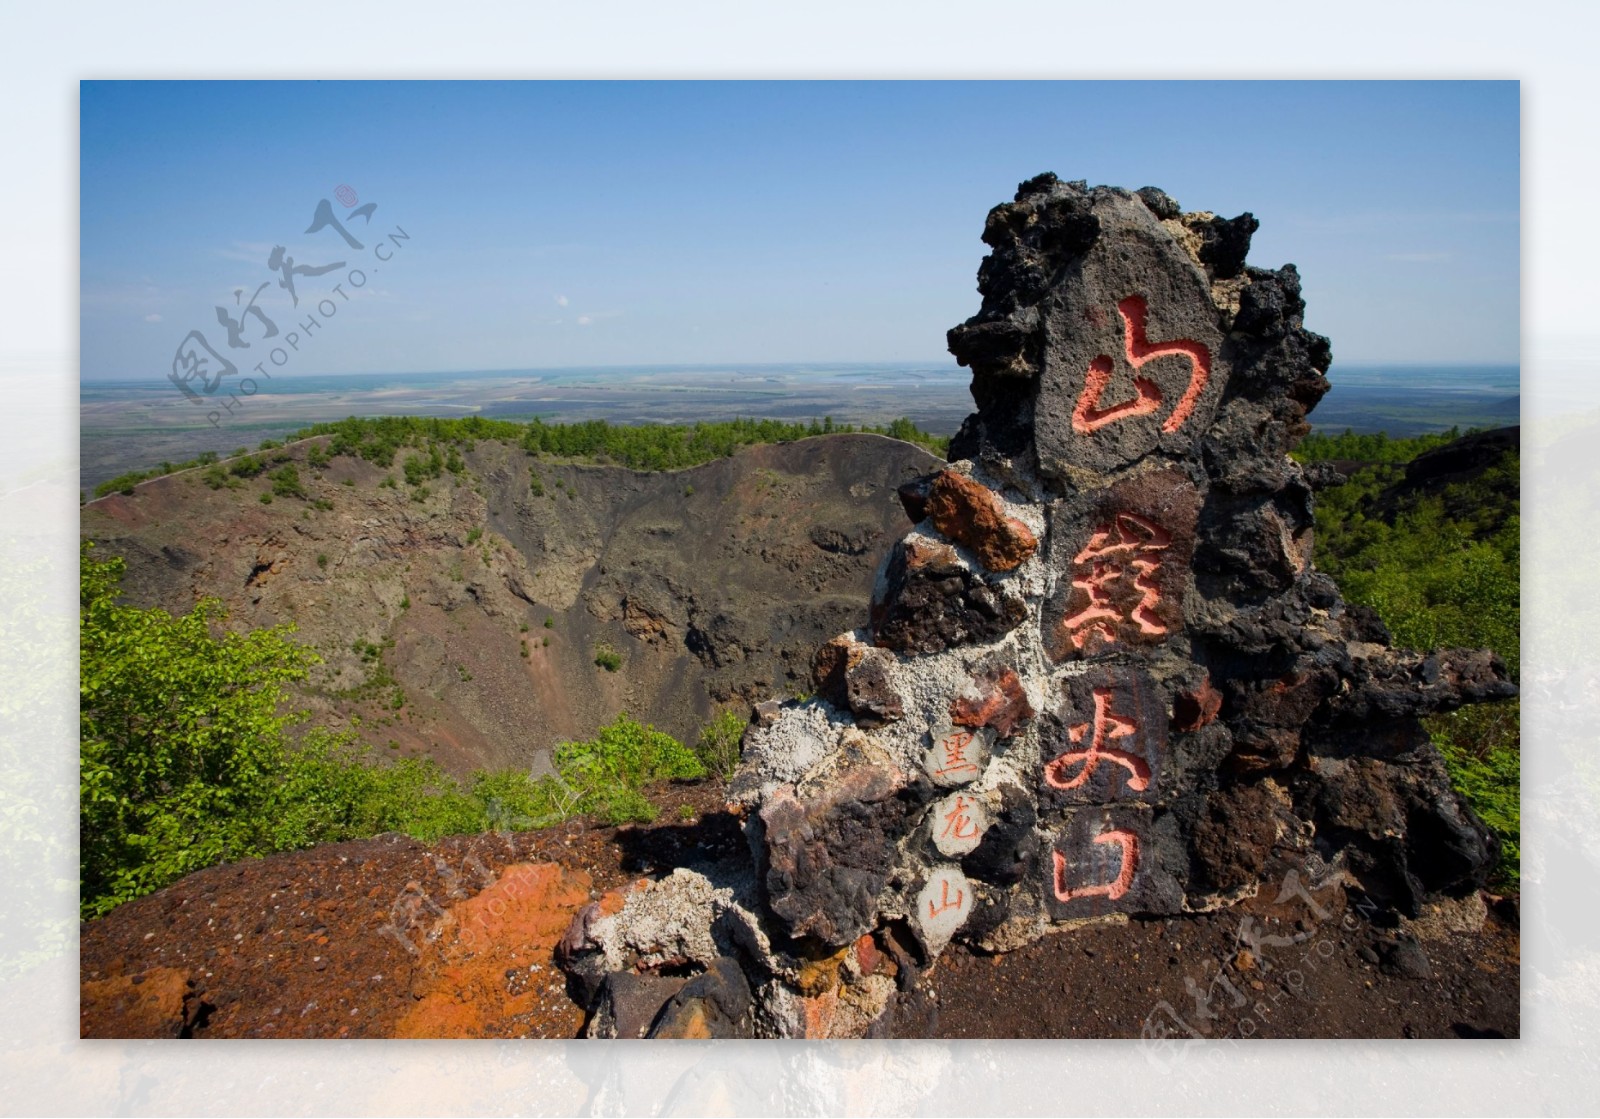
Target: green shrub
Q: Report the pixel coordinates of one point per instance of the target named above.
(185, 760)
(607, 658)
(718, 745)
(608, 772)
(180, 738)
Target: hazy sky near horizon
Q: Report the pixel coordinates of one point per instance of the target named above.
(604, 223)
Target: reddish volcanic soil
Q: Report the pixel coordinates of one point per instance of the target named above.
(390, 937)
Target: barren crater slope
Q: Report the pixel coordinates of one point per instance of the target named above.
(466, 624)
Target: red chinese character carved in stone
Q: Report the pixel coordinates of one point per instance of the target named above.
(1106, 728)
(1089, 416)
(1112, 890)
(1128, 549)
(955, 761)
(957, 823)
(945, 902)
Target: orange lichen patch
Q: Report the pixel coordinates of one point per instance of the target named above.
(691, 1025)
(818, 1013)
(490, 972)
(149, 1004)
(819, 975)
(972, 515)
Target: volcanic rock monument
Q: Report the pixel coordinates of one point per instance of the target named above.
(1099, 678)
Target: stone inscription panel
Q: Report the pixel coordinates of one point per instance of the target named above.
(1133, 355)
(1107, 742)
(1122, 555)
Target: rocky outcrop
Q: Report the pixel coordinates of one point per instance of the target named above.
(1101, 676)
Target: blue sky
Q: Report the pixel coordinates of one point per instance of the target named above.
(558, 224)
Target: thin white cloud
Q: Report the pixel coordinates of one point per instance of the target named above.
(561, 301)
(255, 252)
(596, 316)
(152, 318)
(1418, 258)
(584, 320)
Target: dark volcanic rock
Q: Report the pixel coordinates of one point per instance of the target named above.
(932, 602)
(714, 1004)
(1122, 555)
(829, 855)
(857, 677)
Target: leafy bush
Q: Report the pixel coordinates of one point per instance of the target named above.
(607, 658)
(286, 482)
(608, 772)
(718, 745)
(180, 737)
(186, 760)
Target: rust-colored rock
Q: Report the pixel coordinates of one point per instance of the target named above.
(999, 703)
(973, 516)
(1197, 707)
(834, 658)
(851, 675)
(148, 1004)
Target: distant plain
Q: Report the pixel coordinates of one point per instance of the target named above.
(130, 425)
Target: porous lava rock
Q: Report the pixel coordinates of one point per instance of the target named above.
(971, 514)
(1118, 685)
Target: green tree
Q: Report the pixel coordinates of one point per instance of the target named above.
(181, 737)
